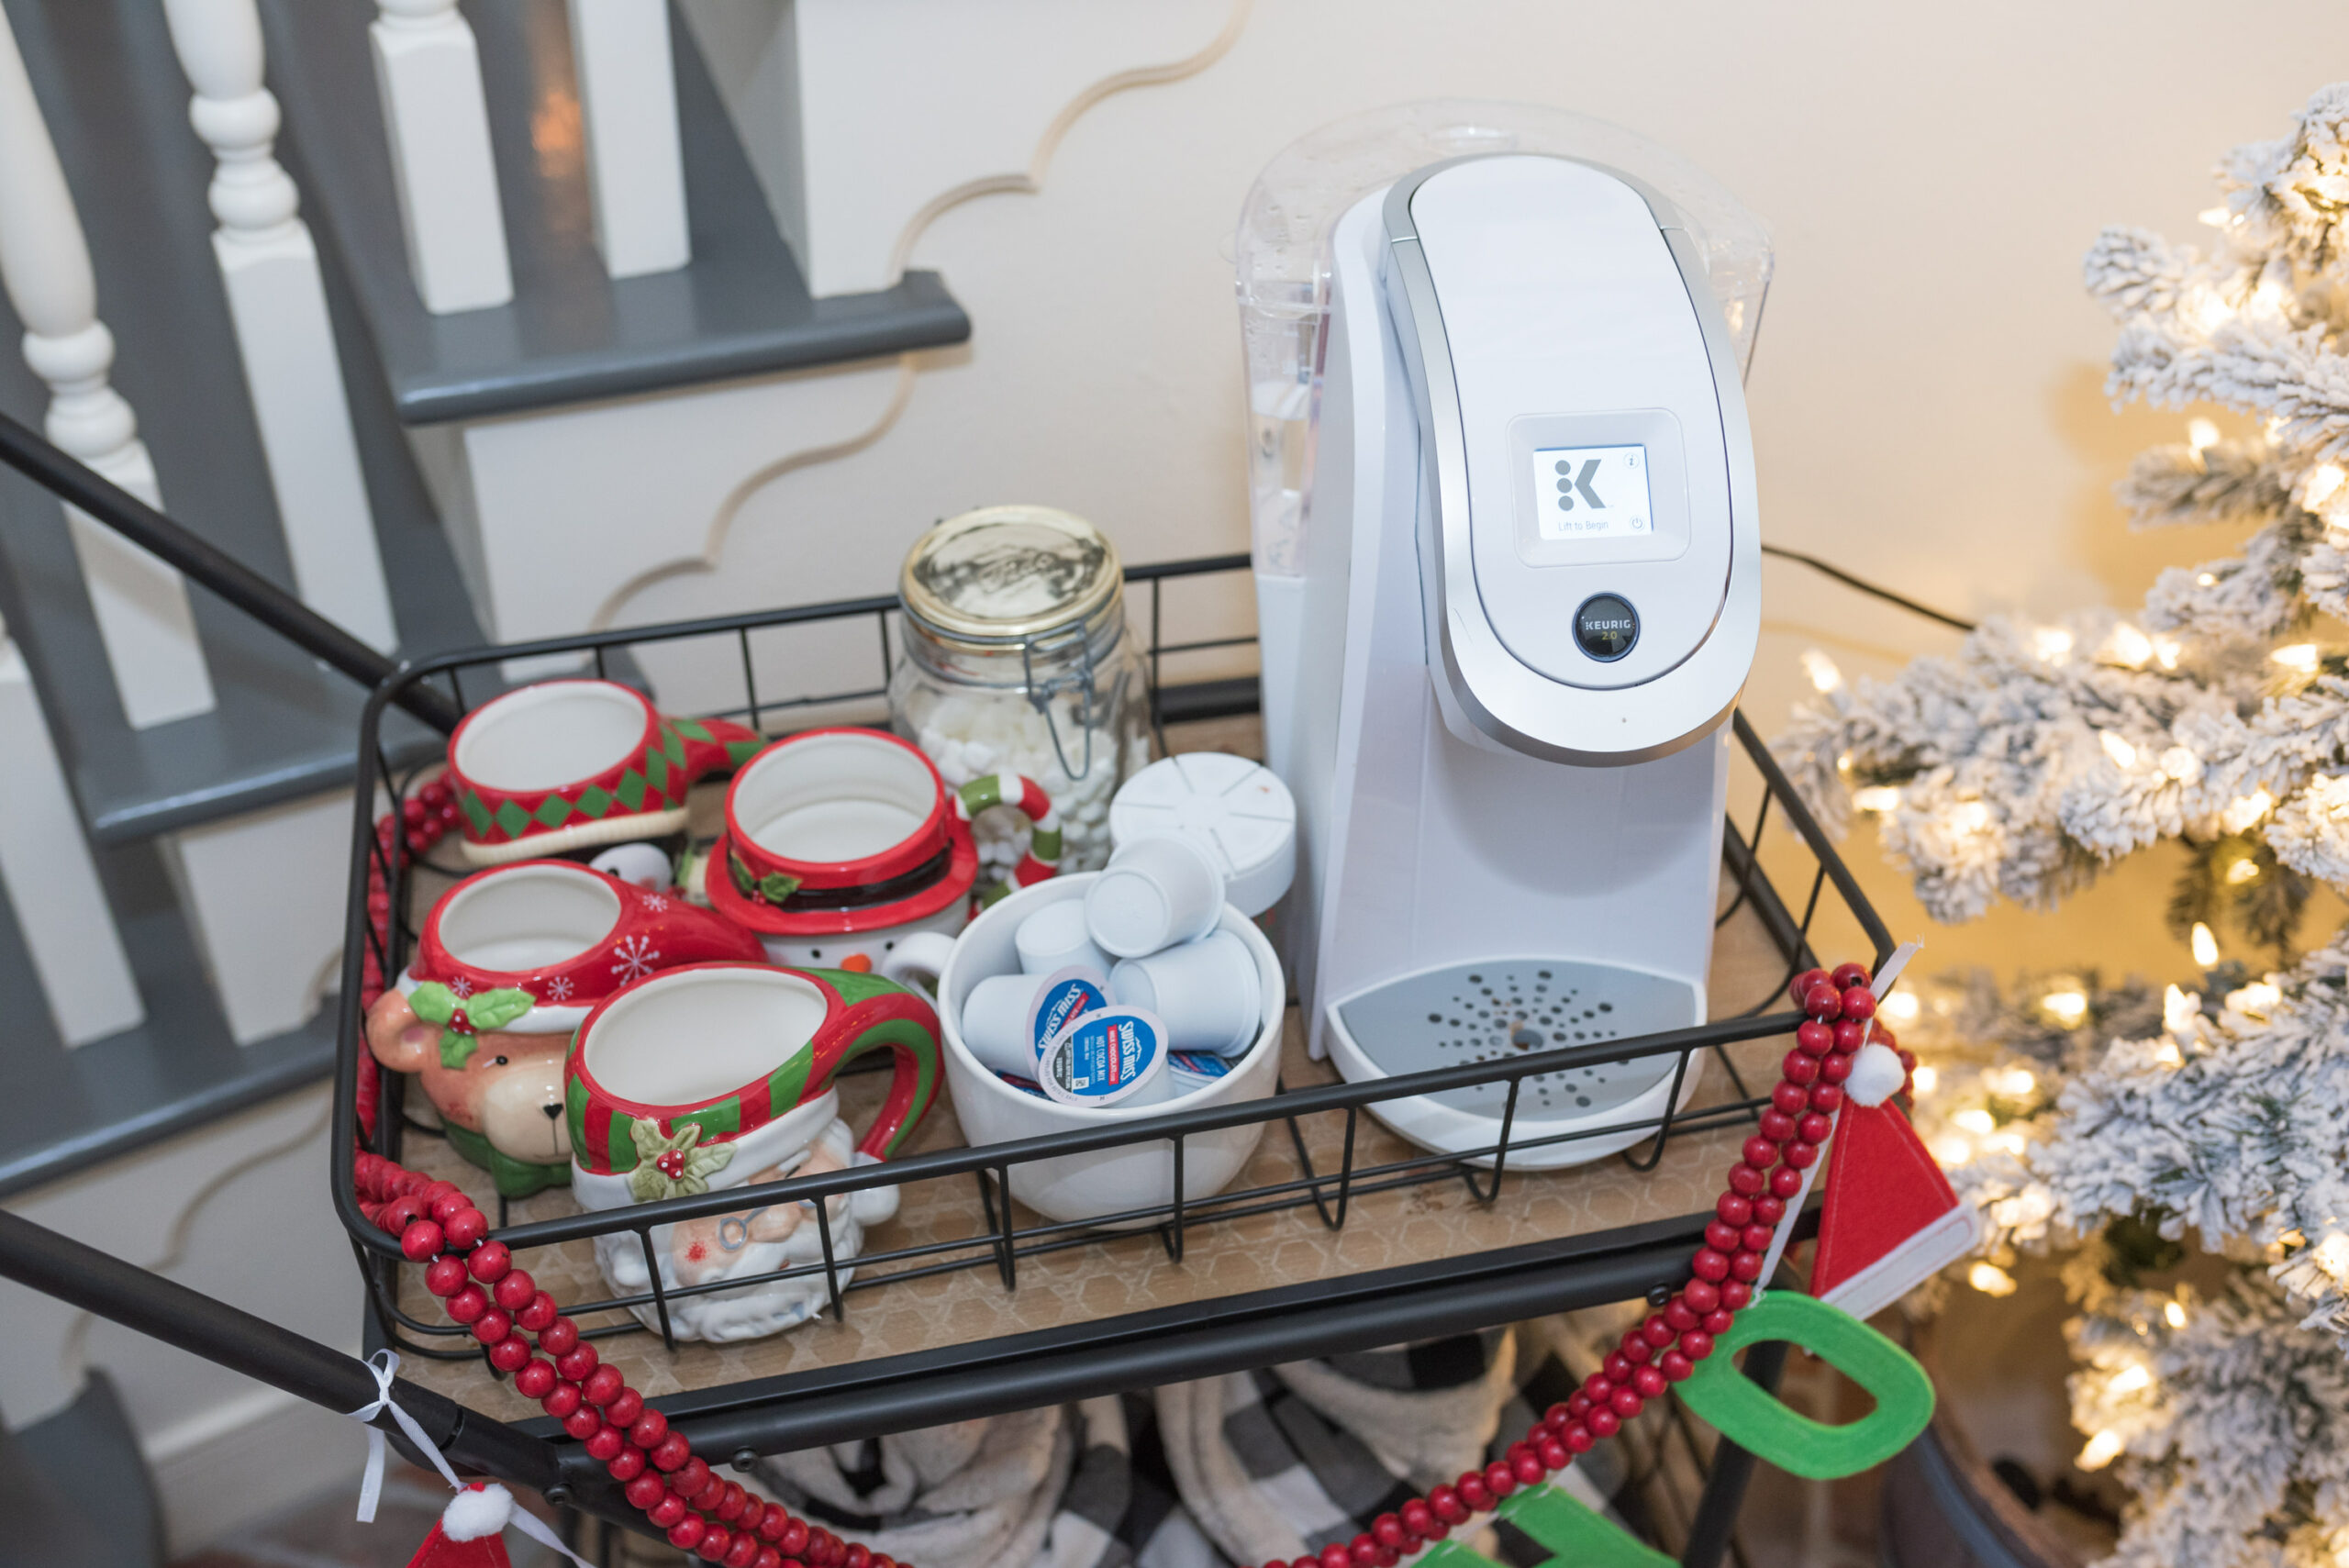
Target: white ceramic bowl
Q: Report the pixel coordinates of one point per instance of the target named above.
(1077, 1187)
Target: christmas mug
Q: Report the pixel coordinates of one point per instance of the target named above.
(721, 1075)
(568, 765)
(508, 964)
(841, 844)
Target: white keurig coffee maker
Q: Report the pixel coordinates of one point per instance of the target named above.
(1508, 580)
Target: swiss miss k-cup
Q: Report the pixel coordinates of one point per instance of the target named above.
(1115, 1056)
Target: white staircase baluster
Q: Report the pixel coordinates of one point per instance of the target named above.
(428, 73)
(628, 103)
(271, 270)
(139, 602)
(45, 871)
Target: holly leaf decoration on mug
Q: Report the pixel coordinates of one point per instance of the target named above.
(671, 1166)
(771, 888)
(463, 1018)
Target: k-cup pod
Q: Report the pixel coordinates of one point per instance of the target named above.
(1061, 998)
(1055, 937)
(1157, 891)
(1205, 991)
(1115, 1056)
(1237, 809)
(996, 1017)
(1194, 1068)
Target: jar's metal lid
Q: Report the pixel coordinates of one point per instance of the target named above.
(1006, 573)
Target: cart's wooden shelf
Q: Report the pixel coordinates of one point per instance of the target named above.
(1117, 1275)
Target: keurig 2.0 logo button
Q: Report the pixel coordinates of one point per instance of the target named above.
(1607, 626)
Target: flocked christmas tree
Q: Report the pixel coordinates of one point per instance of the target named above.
(2218, 716)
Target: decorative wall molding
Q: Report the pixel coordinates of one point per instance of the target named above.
(721, 525)
(1026, 182)
(1030, 182)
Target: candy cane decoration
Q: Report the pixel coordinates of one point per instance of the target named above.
(1028, 798)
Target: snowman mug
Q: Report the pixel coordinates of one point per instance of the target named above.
(841, 843)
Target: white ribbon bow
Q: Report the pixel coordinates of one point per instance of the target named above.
(384, 1364)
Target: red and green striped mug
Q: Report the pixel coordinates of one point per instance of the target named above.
(562, 766)
(717, 1075)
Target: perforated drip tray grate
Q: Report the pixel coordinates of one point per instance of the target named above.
(1502, 1008)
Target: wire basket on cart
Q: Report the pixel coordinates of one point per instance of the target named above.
(1336, 1235)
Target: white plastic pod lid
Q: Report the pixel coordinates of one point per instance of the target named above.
(1238, 809)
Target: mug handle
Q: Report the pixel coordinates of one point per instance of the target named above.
(1028, 798)
(899, 1020)
(716, 745)
(916, 961)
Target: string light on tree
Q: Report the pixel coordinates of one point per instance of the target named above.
(2214, 718)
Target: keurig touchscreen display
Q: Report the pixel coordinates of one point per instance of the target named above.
(1592, 493)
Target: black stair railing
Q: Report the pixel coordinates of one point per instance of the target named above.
(78, 484)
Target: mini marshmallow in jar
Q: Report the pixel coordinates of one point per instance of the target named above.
(1017, 662)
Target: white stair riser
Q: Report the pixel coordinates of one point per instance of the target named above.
(52, 883)
(265, 896)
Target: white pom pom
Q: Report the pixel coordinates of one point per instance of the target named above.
(1876, 1075)
(477, 1512)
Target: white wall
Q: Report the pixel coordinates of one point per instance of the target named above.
(1927, 394)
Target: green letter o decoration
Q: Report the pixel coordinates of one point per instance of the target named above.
(1742, 1411)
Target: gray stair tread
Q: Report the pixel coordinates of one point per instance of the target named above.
(114, 97)
(740, 307)
(68, 1109)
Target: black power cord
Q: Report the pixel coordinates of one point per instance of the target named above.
(1886, 595)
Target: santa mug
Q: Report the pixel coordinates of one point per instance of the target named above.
(839, 844)
(571, 765)
(508, 964)
(721, 1075)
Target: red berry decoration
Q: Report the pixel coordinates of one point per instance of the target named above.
(420, 1240)
(607, 1443)
(1847, 975)
(1859, 1003)
(558, 1337)
(669, 1511)
(534, 1379)
(468, 1305)
(1823, 1002)
(583, 1423)
(445, 1278)
(1815, 1038)
(537, 1314)
(489, 1261)
(686, 1533)
(1799, 987)
(492, 1326)
(577, 1363)
(1850, 1037)
(511, 1354)
(514, 1288)
(561, 1400)
(645, 1491)
(624, 1408)
(465, 1229)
